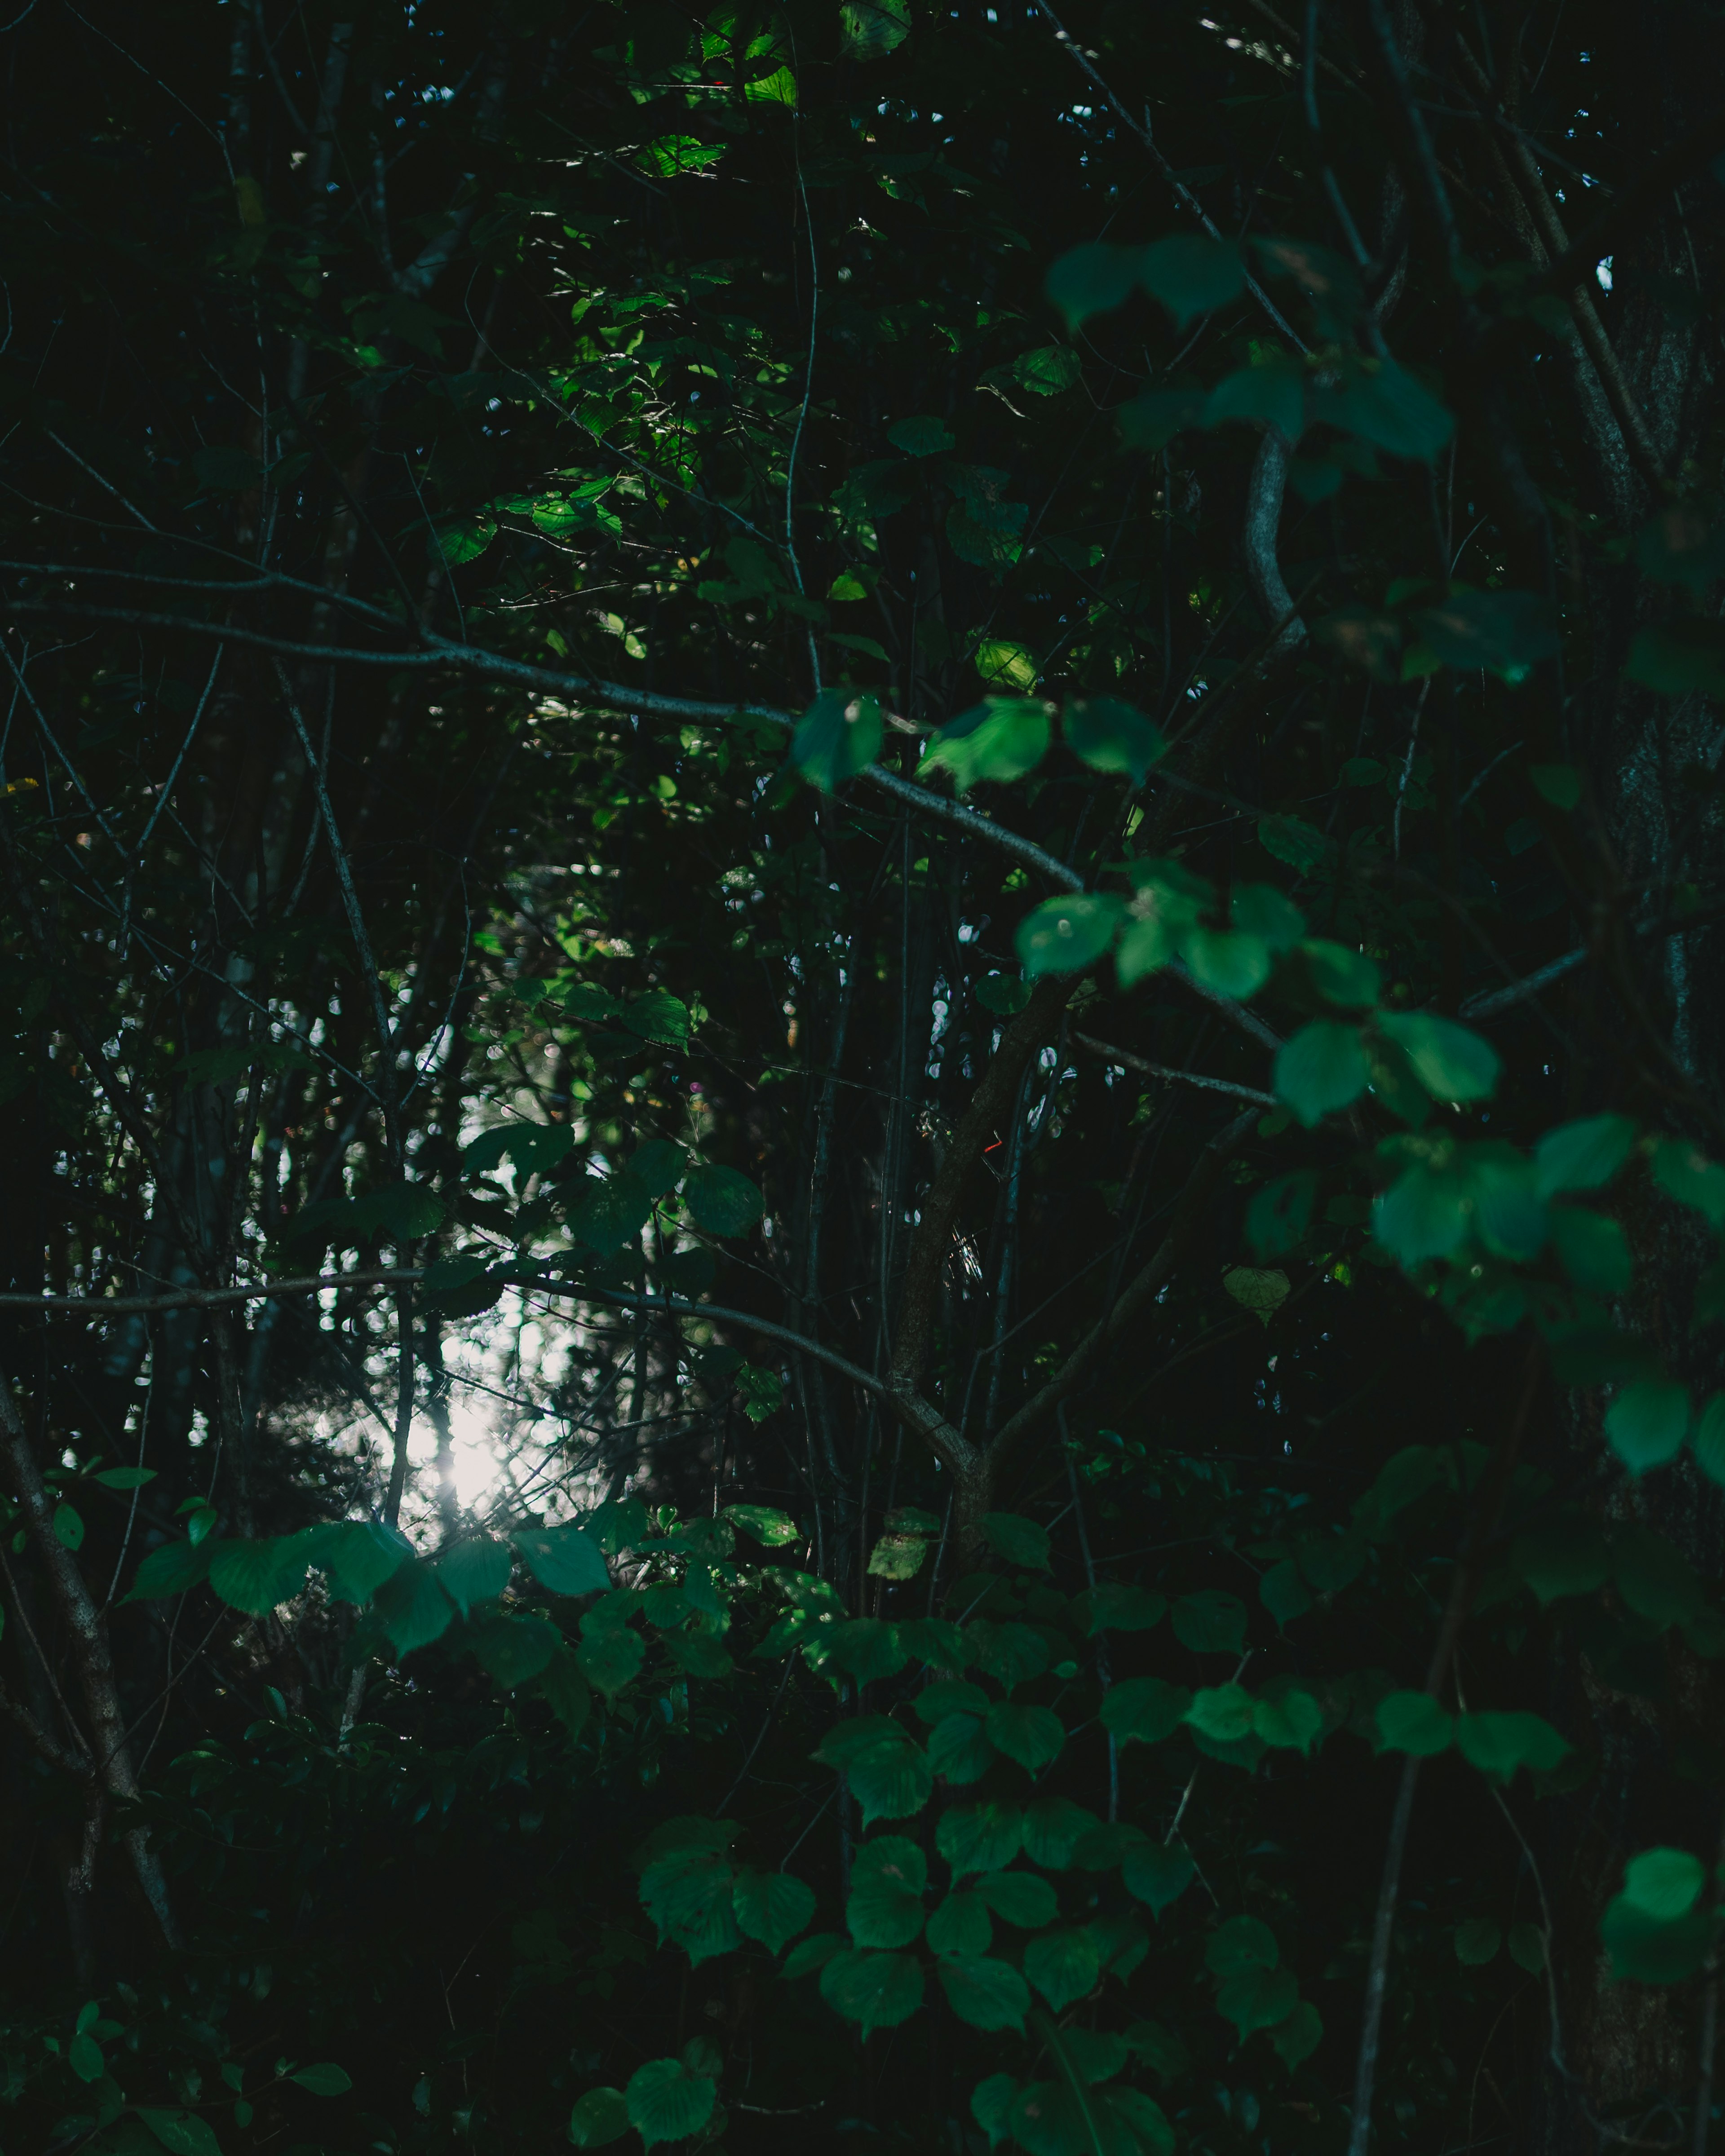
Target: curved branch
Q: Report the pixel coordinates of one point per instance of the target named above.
(1263, 520)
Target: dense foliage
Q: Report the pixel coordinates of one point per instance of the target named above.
(860, 875)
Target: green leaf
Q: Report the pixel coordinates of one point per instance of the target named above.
(68, 1526)
(1144, 2116)
(1048, 2121)
(1110, 736)
(1191, 274)
(767, 1526)
(567, 1560)
(172, 1570)
(961, 1925)
(181, 2132)
(1001, 738)
(866, 1648)
(810, 1954)
(1560, 783)
(1255, 1288)
(686, 1889)
(1290, 1721)
(698, 1653)
(257, 1576)
(514, 1649)
(1280, 1213)
(1709, 1442)
(1157, 1873)
(610, 1656)
(1527, 1948)
(1664, 1884)
(1018, 1540)
(1500, 1744)
(953, 1696)
(934, 1640)
(1477, 1941)
(476, 1570)
(991, 2103)
(1241, 1943)
(1210, 1622)
(465, 540)
(1388, 409)
(1257, 1999)
(658, 1017)
(982, 1837)
(1343, 977)
(1146, 1710)
(1020, 1898)
(1451, 1062)
(958, 1752)
(1064, 934)
(1298, 844)
(771, 1907)
(1031, 1735)
(1092, 280)
(1686, 1174)
(1228, 961)
(880, 1990)
(414, 1608)
(986, 1993)
(1273, 395)
(869, 29)
(1592, 1249)
(601, 2116)
(667, 2101)
(1648, 1422)
(1152, 418)
(327, 2079)
(839, 737)
(84, 2054)
(606, 1211)
(1261, 910)
(1655, 1953)
(1507, 633)
(124, 1478)
(1299, 2036)
(887, 1882)
(1063, 1966)
(723, 1202)
(1680, 657)
(1284, 1594)
(890, 1778)
(358, 1556)
(1413, 1721)
(1683, 545)
(1582, 1156)
(1222, 1713)
(400, 1213)
(897, 1557)
(565, 1691)
(998, 660)
(1323, 1068)
(1424, 1214)
(1053, 1827)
